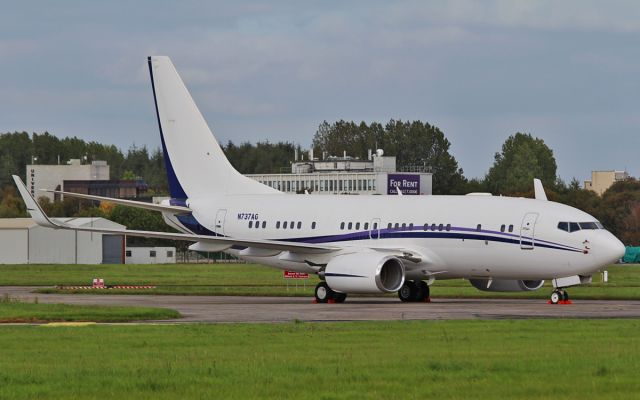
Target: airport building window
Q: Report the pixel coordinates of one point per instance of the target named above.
(152, 253)
(127, 253)
(502, 228)
(448, 227)
(510, 228)
(169, 253)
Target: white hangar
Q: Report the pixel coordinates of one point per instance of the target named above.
(22, 241)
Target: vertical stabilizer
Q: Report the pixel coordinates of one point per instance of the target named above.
(196, 165)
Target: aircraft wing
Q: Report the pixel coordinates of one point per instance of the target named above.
(131, 203)
(42, 219)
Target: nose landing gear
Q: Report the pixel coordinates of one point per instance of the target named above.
(559, 296)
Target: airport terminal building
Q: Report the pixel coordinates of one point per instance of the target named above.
(348, 175)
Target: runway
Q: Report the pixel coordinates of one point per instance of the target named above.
(213, 309)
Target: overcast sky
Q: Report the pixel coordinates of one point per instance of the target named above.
(564, 71)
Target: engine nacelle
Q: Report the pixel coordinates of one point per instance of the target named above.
(365, 273)
(506, 285)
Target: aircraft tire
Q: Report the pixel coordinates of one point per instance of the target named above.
(408, 291)
(423, 291)
(556, 297)
(339, 297)
(323, 292)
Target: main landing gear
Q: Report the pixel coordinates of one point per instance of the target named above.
(414, 291)
(559, 296)
(324, 294)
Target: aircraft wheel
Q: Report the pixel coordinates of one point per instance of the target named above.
(408, 291)
(422, 292)
(323, 292)
(339, 297)
(556, 297)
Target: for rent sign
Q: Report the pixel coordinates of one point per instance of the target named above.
(408, 184)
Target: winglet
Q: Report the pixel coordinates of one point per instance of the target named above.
(539, 190)
(32, 206)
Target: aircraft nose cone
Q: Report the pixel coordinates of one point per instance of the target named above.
(614, 249)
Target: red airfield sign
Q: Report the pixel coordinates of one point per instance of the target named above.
(294, 275)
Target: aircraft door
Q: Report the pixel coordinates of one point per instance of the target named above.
(527, 231)
(219, 225)
(374, 232)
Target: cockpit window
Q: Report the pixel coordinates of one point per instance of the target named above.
(576, 226)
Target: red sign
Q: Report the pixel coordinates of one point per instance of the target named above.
(294, 275)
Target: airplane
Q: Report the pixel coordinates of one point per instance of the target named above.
(356, 244)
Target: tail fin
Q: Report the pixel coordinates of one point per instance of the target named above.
(196, 165)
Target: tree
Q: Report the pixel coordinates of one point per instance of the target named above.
(413, 143)
(523, 158)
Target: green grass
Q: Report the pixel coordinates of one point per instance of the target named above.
(254, 280)
(18, 311)
(568, 359)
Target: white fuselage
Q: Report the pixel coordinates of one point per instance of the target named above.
(530, 246)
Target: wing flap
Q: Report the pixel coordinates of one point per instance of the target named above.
(41, 218)
(130, 203)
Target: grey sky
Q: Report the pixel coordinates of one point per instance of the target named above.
(565, 71)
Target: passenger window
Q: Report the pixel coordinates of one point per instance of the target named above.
(357, 225)
(284, 225)
(448, 227)
(510, 228)
(397, 226)
(563, 226)
(433, 227)
(404, 226)
(440, 227)
(502, 228)
(411, 226)
(425, 227)
(299, 224)
(313, 225)
(257, 224)
(350, 225)
(375, 225)
(341, 225)
(389, 226)
(264, 224)
(366, 226)
(250, 224)
(479, 227)
(292, 225)
(574, 227)
(277, 224)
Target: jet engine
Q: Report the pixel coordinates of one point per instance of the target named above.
(365, 273)
(506, 285)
